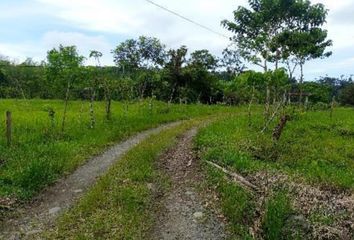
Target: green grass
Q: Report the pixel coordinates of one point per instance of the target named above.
(40, 153)
(278, 209)
(237, 204)
(313, 148)
(120, 205)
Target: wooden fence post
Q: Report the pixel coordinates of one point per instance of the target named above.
(8, 127)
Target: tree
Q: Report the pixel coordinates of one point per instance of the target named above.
(346, 96)
(231, 61)
(144, 52)
(63, 68)
(304, 39)
(173, 69)
(272, 30)
(318, 92)
(256, 28)
(204, 59)
(93, 74)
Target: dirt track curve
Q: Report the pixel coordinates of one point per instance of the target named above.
(34, 217)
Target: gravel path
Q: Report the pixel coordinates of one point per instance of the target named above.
(33, 218)
(182, 212)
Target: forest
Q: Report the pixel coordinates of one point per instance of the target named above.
(146, 69)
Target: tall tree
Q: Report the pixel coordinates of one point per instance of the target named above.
(173, 69)
(63, 68)
(204, 59)
(305, 38)
(256, 28)
(144, 52)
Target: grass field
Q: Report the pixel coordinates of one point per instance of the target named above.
(40, 153)
(314, 150)
(313, 146)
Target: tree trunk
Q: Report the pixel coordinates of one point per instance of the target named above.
(301, 82)
(279, 128)
(250, 106)
(108, 108)
(65, 106)
(267, 104)
(332, 107)
(92, 113)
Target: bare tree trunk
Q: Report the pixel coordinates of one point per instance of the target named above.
(332, 107)
(267, 104)
(278, 130)
(21, 89)
(172, 93)
(65, 106)
(306, 103)
(301, 81)
(142, 93)
(249, 107)
(276, 110)
(107, 96)
(92, 113)
(108, 108)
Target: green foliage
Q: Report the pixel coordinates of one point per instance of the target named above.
(204, 59)
(232, 61)
(273, 30)
(347, 95)
(318, 92)
(145, 52)
(278, 209)
(63, 68)
(243, 84)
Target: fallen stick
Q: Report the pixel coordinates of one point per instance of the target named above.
(237, 178)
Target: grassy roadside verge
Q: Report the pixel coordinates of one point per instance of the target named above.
(119, 205)
(40, 153)
(305, 177)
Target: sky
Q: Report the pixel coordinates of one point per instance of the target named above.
(29, 28)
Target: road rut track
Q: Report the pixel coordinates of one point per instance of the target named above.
(38, 215)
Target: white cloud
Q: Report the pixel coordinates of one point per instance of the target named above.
(138, 17)
(20, 51)
(101, 24)
(84, 42)
(52, 39)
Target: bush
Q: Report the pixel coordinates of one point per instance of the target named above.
(346, 96)
(320, 106)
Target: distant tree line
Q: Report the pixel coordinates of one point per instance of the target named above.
(279, 36)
